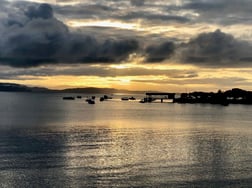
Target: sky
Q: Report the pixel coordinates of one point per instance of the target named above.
(161, 45)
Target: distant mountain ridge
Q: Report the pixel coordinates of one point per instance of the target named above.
(96, 90)
(12, 87)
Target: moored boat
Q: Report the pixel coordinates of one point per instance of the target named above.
(68, 98)
(90, 101)
(132, 98)
(124, 98)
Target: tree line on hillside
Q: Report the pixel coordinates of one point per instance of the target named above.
(233, 96)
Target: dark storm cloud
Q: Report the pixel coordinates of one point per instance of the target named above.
(44, 11)
(213, 49)
(39, 38)
(158, 53)
(216, 49)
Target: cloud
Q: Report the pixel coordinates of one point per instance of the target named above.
(205, 5)
(39, 38)
(205, 82)
(123, 10)
(89, 70)
(216, 49)
(158, 53)
(137, 2)
(84, 11)
(148, 17)
(224, 12)
(208, 11)
(32, 36)
(44, 11)
(66, 1)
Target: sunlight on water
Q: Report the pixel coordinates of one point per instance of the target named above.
(47, 142)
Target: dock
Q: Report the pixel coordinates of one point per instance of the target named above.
(153, 96)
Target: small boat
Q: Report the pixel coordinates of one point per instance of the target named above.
(132, 98)
(107, 97)
(142, 101)
(90, 101)
(68, 98)
(124, 98)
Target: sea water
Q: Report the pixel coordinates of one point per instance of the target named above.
(49, 142)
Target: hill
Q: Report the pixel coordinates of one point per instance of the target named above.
(12, 87)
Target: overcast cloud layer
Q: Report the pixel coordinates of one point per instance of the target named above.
(32, 35)
(223, 12)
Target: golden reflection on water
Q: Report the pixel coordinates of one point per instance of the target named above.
(123, 144)
(157, 154)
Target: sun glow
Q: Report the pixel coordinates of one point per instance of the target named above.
(101, 23)
(122, 66)
(125, 81)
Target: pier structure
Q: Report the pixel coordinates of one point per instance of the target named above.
(153, 96)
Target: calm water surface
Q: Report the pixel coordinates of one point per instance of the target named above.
(48, 142)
